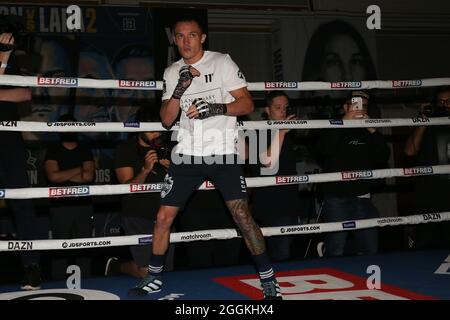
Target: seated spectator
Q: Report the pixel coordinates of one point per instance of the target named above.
(70, 163)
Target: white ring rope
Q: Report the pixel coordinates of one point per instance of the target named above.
(222, 234)
(255, 182)
(33, 81)
(32, 126)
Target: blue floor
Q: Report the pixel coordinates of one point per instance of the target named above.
(403, 275)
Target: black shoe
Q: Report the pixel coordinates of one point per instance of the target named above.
(271, 290)
(112, 267)
(32, 278)
(150, 284)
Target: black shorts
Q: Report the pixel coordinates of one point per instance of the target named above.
(183, 179)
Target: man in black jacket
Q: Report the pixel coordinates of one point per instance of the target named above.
(348, 150)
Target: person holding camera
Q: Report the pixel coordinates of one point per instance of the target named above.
(430, 145)
(279, 205)
(143, 158)
(347, 150)
(13, 164)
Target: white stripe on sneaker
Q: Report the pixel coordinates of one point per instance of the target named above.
(155, 270)
(268, 271)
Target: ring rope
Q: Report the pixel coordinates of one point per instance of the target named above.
(253, 182)
(220, 234)
(36, 81)
(32, 126)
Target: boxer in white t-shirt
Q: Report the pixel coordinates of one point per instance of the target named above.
(210, 91)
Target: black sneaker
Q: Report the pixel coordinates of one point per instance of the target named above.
(271, 290)
(32, 278)
(112, 267)
(150, 284)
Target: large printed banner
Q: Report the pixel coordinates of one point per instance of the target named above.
(330, 49)
(113, 43)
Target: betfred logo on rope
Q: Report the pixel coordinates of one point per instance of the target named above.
(2, 193)
(320, 284)
(136, 84)
(280, 85)
(417, 171)
(145, 187)
(350, 175)
(68, 191)
(406, 83)
(60, 82)
(345, 84)
(291, 179)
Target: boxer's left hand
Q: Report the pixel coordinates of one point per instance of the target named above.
(201, 109)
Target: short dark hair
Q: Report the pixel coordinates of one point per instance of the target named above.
(274, 94)
(189, 18)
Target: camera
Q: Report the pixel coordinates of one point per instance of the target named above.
(163, 153)
(290, 110)
(160, 145)
(433, 110)
(16, 26)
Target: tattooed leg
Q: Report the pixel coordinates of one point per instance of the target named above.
(250, 230)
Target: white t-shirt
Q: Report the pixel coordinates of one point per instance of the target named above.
(218, 76)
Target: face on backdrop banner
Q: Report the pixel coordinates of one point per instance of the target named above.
(323, 49)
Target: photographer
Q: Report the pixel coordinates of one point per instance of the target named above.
(143, 158)
(13, 164)
(420, 138)
(431, 146)
(345, 150)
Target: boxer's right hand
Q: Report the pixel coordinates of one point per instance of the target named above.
(187, 74)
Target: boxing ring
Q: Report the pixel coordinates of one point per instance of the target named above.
(403, 275)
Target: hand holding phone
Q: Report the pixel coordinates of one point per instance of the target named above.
(357, 104)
